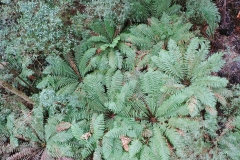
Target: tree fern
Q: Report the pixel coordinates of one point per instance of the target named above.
(150, 38)
(66, 74)
(186, 74)
(95, 54)
(110, 45)
(138, 106)
(129, 112)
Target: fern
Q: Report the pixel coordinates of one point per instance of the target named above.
(185, 73)
(141, 10)
(128, 100)
(134, 148)
(204, 10)
(42, 139)
(159, 145)
(122, 89)
(89, 135)
(66, 75)
(152, 37)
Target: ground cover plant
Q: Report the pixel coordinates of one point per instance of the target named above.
(114, 80)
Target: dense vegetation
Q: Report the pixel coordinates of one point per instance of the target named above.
(114, 79)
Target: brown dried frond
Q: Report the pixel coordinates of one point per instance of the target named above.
(227, 127)
(63, 126)
(211, 110)
(228, 124)
(192, 104)
(221, 99)
(26, 153)
(86, 136)
(147, 133)
(125, 141)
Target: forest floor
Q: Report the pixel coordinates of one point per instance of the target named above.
(227, 39)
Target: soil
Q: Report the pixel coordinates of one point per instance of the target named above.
(227, 39)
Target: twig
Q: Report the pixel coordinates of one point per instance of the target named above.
(224, 12)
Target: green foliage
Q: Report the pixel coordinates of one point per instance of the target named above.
(95, 54)
(150, 38)
(89, 135)
(140, 11)
(116, 10)
(154, 8)
(37, 139)
(118, 80)
(37, 29)
(153, 106)
(15, 70)
(190, 78)
(204, 10)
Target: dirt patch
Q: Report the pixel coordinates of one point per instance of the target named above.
(227, 39)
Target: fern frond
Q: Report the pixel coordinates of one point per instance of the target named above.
(143, 31)
(91, 41)
(97, 155)
(130, 56)
(151, 82)
(60, 67)
(62, 137)
(213, 64)
(116, 83)
(37, 122)
(76, 130)
(204, 10)
(82, 63)
(98, 127)
(105, 28)
(134, 148)
(159, 6)
(167, 64)
(184, 124)
(211, 82)
(117, 132)
(147, 153)
(112, 147)
(175, 138)
(109, 28)
(138, 41)
(159, 144)
(204, 95)
(210, 14)
(68, 89)
(172, 104)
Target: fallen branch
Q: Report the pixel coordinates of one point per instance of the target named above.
(2, 64)
(16, 91)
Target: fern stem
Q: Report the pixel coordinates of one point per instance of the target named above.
(34, 131)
